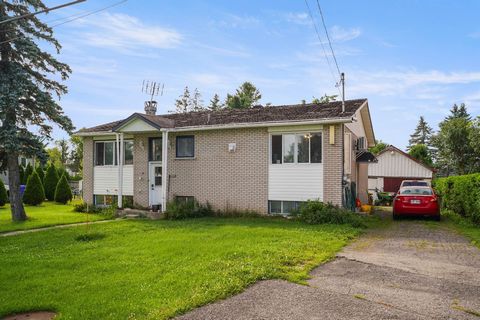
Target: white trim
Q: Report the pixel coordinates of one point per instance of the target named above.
(295, 156)
(164, 169)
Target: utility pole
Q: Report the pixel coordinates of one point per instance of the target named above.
(42, 11)
(342, 80)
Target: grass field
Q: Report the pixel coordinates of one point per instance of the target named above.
(145, 269)
(47, 214)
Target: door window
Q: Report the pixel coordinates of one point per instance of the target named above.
(158, 176)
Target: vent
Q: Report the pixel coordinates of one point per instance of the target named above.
(361, 143)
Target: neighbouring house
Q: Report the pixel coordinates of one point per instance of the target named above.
(23, 161)
(267, 159)
(393, 167)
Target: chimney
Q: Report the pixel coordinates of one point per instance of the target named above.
(150, 107)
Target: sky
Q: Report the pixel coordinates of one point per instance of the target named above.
(408, 58)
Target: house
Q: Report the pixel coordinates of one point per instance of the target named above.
(392, 167)
(267, 159)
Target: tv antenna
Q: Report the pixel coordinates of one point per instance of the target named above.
(153, 89)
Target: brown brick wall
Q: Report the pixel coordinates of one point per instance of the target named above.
(235, 180)
(332, 165)
(87, 183)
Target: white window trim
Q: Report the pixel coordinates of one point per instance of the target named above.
(114, 154)
(295, 156)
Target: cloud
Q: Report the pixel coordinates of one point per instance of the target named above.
(235, 21)
(123, 32)
(339, 34)
(475, 35)
(301, 18)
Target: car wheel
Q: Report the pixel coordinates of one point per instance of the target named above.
(437, 218)
(395, 216)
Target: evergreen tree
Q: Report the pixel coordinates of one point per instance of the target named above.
(3, 194)
(325, 99)
(459, 112)
(41, 173)
(247, 96)
(183, 103)
(34, 193)
(422, 135)
(197, 102)
(215, 103)
(26, 92)
(50, 182)
(28, 172)
(63, 192)
(421, 153)
(64, 150)
(21, 171)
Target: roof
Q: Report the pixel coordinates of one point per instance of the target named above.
(393, 148)
(284, 113)
(365, 156)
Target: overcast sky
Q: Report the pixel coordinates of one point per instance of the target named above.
(409, 58)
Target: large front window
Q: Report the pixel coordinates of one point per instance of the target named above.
(296, 148)
(106, 153)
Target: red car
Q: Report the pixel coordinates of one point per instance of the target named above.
(416, 201)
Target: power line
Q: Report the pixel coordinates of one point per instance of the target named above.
(88, 13)
(328, 37)
(323, 47)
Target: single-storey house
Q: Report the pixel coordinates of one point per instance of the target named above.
(392, 167)
(266, 159)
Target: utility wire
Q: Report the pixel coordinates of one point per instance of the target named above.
(323, 47)
(328, 37)
(88, 13)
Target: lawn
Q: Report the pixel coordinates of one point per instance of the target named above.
(47, 214)
(463, 226)
(142, 269)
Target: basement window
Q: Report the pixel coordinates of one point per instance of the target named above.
(283, 207)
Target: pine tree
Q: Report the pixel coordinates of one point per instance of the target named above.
(21, 172)
(421, 135)
(26, 92)
(197, 102)
(247, 96)
(183, 103)
(3, 194)
(34, 193)
(41, 173)
(459, 112)
(215, 103)
(50, 182)
(28, 172)
(63, 192)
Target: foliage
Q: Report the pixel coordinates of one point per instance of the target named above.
(379, 147)
(50, 182)
(64, 149)
(55, 157)
(3, 194)
(464, 226)
(40, 172)
(215, 103)
(420, 152)
(76, 155)
(177, 210)
(62, 171)
(182, 104)
(28, 108)
(197, 102)
(461, 194)
(325, 99)
(34, 193)
(246, 96)
(63, 192)
(23, 177)
(422, 135)
(28, 172)
(317, 212)
(193, 263)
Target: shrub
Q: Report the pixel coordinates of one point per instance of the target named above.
(3, 194)
(63, 192)
(177, 210)
(460, 194)
(34, 193)
(50, 182)
(86, 208)
(41, 173)
(317, 212)
(28, 172)
(21, 171)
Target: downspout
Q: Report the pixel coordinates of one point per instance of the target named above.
(117, 155)
(120, 166)
(164, 169)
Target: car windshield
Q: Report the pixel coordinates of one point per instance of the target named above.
(416, 191)
(414, 183)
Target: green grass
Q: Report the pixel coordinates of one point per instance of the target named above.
(142, 269)
(47, 214)
(463, 226)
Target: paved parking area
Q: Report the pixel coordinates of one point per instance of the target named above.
(409, 270)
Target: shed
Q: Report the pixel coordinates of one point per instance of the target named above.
(394, 166)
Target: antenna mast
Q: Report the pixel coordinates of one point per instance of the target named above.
(153, 89)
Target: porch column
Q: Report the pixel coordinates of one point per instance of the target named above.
(164, 170)
(120, 169)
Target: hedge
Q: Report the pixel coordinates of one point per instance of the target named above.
(50, 182)
(461, 194)
(63, 193)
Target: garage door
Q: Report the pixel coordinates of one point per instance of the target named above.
(393, 184)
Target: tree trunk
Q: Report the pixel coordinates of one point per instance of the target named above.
(16, 205)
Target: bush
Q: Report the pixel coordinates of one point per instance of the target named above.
(3, 194)
(460, 194)
(21, 171)
(41, 173)
(86, 208)
(316, 212)
(34, 193)
(63, 192)
(28, 172)
(177, 210)
(50, 182)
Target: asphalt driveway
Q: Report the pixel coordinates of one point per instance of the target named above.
(410, 270)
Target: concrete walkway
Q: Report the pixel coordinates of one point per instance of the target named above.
(410, 270)
(18, 232)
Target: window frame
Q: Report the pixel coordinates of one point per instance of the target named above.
(176, 146)
(296, 206)
(295, 156)
(124, 153)
(115, 158)
(150, 148)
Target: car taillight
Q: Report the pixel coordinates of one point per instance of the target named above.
(433, 199)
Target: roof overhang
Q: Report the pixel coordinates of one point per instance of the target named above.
(367, 124)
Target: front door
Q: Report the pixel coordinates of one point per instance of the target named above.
(155, 184)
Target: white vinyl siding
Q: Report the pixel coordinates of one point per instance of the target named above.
(106, 180)
(295, 182)
(397, 165)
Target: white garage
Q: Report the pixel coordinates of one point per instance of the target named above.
(393, 167)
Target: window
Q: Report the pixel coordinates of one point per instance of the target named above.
(158, 176)
(128, 152)
(155, 149)
(184, 199)
(296, 148)
(105, 153)
(185, 147)
(104, 200)
(283, 207)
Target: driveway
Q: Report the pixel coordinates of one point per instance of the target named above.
(409, 270)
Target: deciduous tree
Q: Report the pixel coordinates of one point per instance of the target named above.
(421, 153)
(246, 96)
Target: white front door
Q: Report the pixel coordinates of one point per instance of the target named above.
(155, 184)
